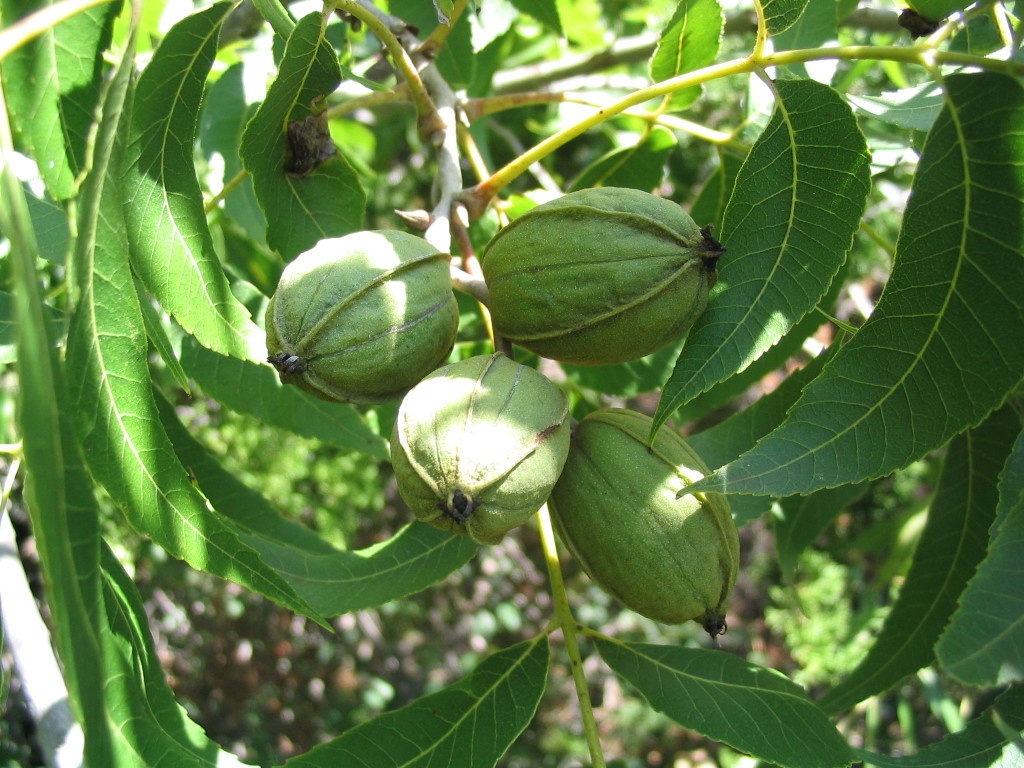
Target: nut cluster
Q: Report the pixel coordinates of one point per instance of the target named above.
(596, 277)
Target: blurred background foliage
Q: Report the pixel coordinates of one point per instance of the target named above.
(268, 684)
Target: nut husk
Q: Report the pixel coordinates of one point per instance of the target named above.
(615, 508)
(478, 444)
(362, 318)
(599, 276)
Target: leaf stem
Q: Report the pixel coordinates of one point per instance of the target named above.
(762, 31)
(277, 16)
(229, 187)
(503, 176)
(922, 55)
(568, 625)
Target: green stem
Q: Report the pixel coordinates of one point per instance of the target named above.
(229, 187)
(277, 16)
(568, 624)
(418, 92)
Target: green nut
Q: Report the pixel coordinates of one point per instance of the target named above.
(599, 276)
(362, 318)
(616, 510)
(478, 444)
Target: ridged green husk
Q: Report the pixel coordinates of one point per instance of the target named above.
(615, 508)
(478, 444)
(368, 315)
(599, 276)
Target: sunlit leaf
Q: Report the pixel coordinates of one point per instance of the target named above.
(817, 26)
(942, 348)
(780, 15)
(545, 11)
(58, 492)
(984, 642)
(723, 442)
(795, 207)
(689, 41)
(115, 412)
(953, 543)
(753, 709)
(149, 724)
(914, 108)
(220, 132)
(324, 199)
(52, 88)
(470, 723)
(171, 247)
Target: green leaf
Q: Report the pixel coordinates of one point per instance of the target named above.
(942, 348)
(328, 200)
(817, 26)
(58, 493)
(780, 15)
(794, 210)
(804, 518)
(53, 318)
(457, 60)
(111, 396)
(52, 86)
(171, 247)
(257, 390)
(709, 206)
(148, 722)
(153, 323)
(220, 131)
(626, 379)
(544, 11)
(637, 167)
(331, 580)
(471, 723)
(689, 41)
(980, 745)
(937, 10)
(915, 108)
(755, 710)
(50, 221)
(984, 642)
(951, 546)
(723, 442)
